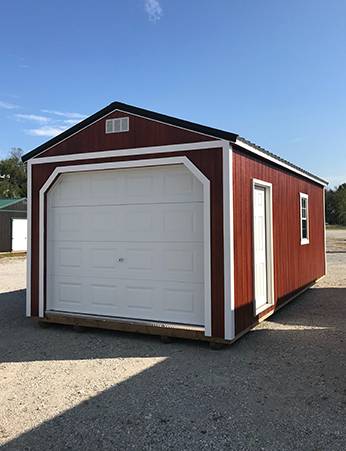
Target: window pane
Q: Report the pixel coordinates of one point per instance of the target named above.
(125, 124)
(117, 125)
(109, 126)
(304, 228)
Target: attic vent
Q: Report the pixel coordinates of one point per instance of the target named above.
(117, 125)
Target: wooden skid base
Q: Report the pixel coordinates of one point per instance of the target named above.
(169, 331)
(166, 331)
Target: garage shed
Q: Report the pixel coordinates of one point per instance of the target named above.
(143, 222)
(13, 226)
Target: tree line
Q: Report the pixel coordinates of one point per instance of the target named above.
(13, 175)
(13, 185)
(336, 205)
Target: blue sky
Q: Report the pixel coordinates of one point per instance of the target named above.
(273, 71)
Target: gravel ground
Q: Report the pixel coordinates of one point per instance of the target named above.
(281, 387)
(336, 240)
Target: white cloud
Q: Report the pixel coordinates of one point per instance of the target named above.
(71, 121)
(32, 117)
(8, 106)
(51, 126)
(46, 130)
(153, 9)
(65, 114)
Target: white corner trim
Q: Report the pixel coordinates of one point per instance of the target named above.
(269, 240)
(28, 253)
(324, 230)
(229, 322)
(128, 164)
(304, 241)
(129, 152)
(278, 162)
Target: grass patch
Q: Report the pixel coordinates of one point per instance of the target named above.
(335, 227)
(12, 254)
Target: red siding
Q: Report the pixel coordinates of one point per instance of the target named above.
(142, 133)
(209, 161)
(295, 265)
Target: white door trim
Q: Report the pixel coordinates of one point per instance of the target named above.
(131, 164)
(134, 151)
(269, 242)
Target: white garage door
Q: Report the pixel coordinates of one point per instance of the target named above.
(127, 243)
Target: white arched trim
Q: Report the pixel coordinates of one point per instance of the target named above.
(132, 164)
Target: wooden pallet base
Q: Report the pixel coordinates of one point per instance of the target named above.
(166, 331)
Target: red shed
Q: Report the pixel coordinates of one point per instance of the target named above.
(143, 222)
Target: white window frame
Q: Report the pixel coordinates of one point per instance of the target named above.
(304, 240)
(121, 121)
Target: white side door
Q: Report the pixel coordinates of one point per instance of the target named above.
(260, 247)
(19, 234)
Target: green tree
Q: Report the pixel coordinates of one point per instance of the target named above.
(331, 216)
(340, 204)
(13, 175)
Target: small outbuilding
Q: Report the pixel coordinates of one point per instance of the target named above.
(13, 225)
(143, 222)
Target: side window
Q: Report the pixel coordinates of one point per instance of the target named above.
(304, 218)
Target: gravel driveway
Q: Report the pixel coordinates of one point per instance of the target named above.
(336, 240)
(281, 387)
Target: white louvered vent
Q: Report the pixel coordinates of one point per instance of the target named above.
(118, 125)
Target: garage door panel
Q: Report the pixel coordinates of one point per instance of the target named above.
(69, 189)
(139, 298)
(70, 293)
(137, 185)
(66, 293)
(64, 258)
(179, 300)
(140, 259)
(68, 221)
(128, 244)
(146, 300)
(70, 257)
(105, 188)
(150, 261)
(160, 222)
(105, 295)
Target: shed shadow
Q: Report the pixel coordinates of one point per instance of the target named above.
(195, 398)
